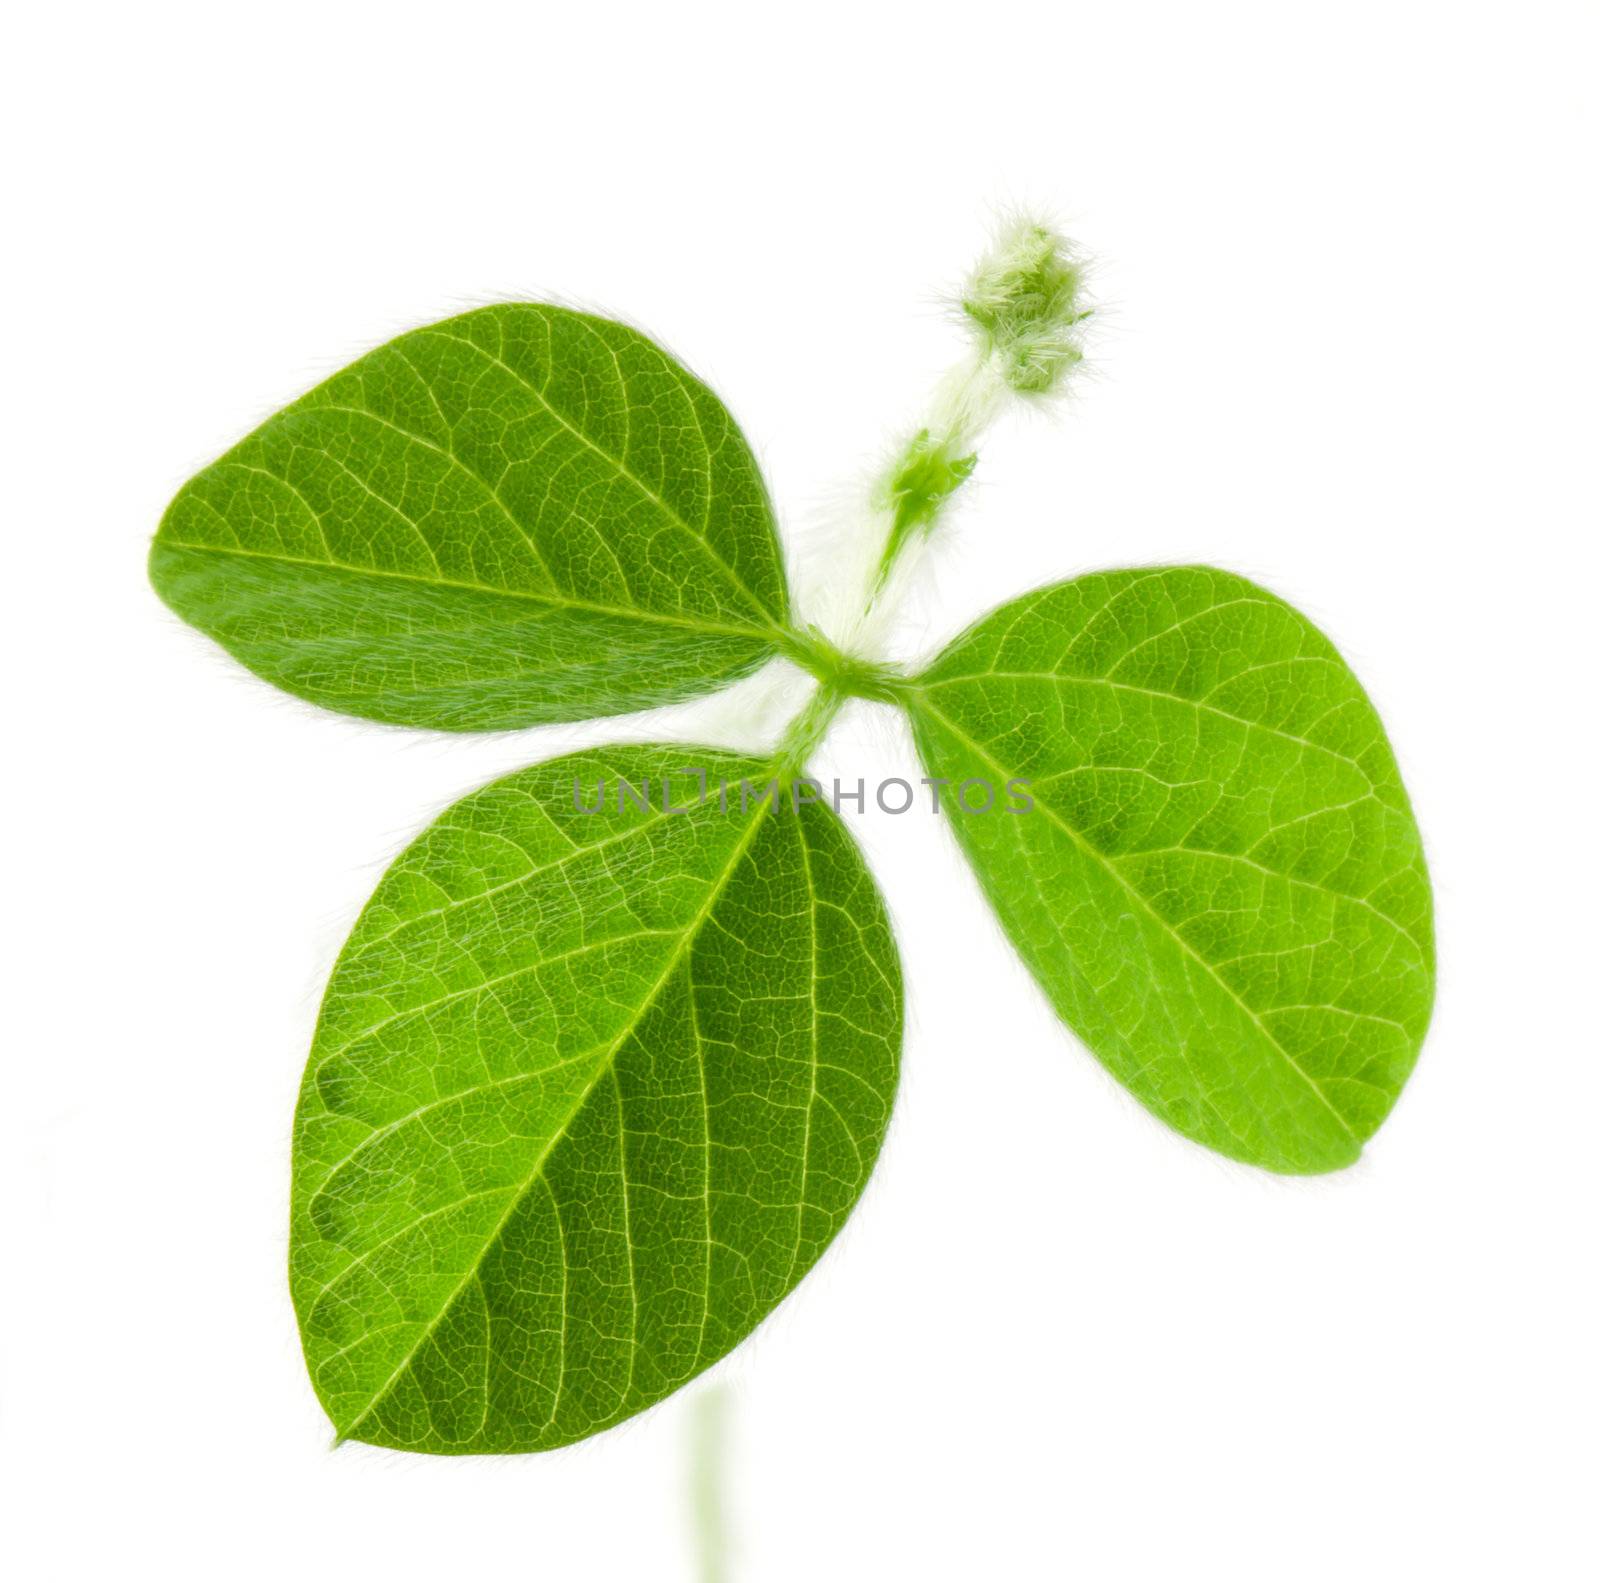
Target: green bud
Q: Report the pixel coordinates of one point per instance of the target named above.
(926, 475)
(1025, 300)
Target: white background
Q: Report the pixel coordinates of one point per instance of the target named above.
(1348, 254)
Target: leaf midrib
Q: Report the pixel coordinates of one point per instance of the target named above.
(602, 1067)
(1066, 678)
(769, 634)
(1086, 846)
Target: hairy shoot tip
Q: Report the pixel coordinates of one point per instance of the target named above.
(1025, 300)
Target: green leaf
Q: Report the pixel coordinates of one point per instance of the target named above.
(515, 516)
(589, 1094)
(1220, 886)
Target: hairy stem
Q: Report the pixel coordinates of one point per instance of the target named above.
(1022, 306)
(806, 730)
(847, 674)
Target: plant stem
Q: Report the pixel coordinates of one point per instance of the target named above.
(708, 1452)
(848, 674)
(1023, 308)
(806, 730)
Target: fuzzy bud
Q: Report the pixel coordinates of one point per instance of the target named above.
(1025, 301)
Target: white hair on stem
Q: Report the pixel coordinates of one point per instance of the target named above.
(1023, 307)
